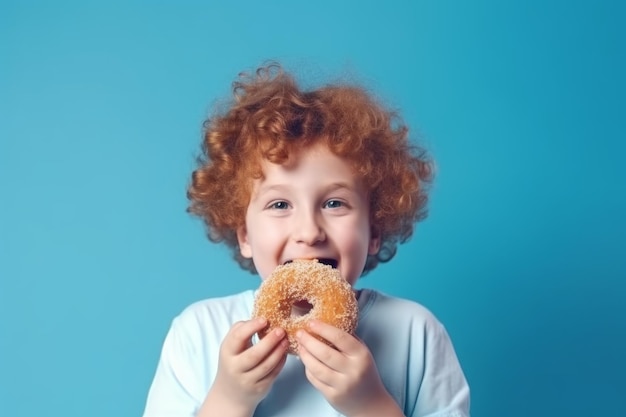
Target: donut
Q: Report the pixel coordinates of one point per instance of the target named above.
(322, 286)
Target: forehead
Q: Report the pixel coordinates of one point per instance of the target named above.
(317, 159)
(285, 161)
(315, 172)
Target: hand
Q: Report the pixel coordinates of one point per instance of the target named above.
(245, 372)
(346, 375)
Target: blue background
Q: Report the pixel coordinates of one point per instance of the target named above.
(523, 256)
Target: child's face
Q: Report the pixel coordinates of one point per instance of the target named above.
(313, 208)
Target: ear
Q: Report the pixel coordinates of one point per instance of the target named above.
(374, 244)
(244, 246)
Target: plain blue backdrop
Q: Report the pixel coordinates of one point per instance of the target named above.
(522, 257)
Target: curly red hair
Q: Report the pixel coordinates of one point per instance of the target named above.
(270, 116)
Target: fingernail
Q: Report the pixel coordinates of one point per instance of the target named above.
(279, 332)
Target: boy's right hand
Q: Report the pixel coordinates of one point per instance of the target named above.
(245, 371)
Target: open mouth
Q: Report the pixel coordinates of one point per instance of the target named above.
(330, 262)
(326, 261)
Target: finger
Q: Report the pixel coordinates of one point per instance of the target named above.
(273, 363)
(317, 355)
(254, 356)
(240, 334)
(343, 342)
(317, 372)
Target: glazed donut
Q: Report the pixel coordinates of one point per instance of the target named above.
(331, 297)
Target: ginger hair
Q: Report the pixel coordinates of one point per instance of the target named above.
(270, 117)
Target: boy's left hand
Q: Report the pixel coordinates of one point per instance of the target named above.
(346, 375)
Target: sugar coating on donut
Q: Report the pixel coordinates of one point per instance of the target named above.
(332, 299)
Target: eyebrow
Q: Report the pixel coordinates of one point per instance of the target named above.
(282, 187)
(339, 185)
(273, 187)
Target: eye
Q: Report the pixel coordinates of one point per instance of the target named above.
(279, 205)
(333, 204)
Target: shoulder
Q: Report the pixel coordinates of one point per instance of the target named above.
(215, 314)
(230, 304)
(400, 319)
(375, 304)
(414, 355)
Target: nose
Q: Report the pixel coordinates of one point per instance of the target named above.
(308, 229)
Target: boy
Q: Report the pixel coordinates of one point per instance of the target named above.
(290, 174)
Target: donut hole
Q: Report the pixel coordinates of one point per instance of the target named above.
(300, 308)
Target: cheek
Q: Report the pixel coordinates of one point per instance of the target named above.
(259, 228)
(269, 233)
(357, 241)
(267, 240)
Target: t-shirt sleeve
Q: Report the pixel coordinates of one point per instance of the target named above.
(444, 391)
(177, 389)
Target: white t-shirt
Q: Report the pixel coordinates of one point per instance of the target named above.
(412, 350)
